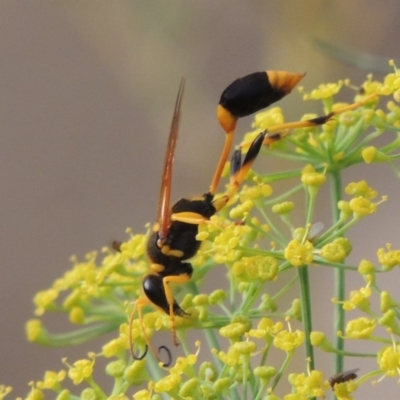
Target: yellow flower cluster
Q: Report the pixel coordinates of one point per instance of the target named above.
(389, 360)
(358, 298)
(298, 253)
(262, 268)
(337, 250)
(310, 385)
(360, 328)
(389, 258)
(98, 294)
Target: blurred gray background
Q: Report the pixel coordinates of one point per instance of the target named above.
(87, 90)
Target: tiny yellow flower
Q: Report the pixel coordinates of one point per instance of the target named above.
(372, 154)
(116, 368)
(360, 328)
(189, 387)
(233, 331)
(312, 385)
(4, 391)
(288, 341)
(167, 383)
(361, 189)
(81, 370)
(182, 363)
(299, 254)
(34, 329)
(344, 390)
(346, 211)
(44, 300)
(318, 339)
(283, 208)
(222, 384)
(77, 315)
(386, 301)
(389, 360)
(265, 119)
(265, 328)
(136, 373)
(311, 177)
(362, 206)
(135, 247)
(208, 372)
(324, 91)
(389, 320)
(52, 380)
(242, 210)
(216, 297)
(142, 395)
(365, 267)
(358, 298)
(388, 259)
(259, 191)
(264, 372)
(114, 347)
(337, 250)
(232, 357)
(35, 394)
(264, 268)
(245, 347)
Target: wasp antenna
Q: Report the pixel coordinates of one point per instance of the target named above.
(163, 213)
(168, 351)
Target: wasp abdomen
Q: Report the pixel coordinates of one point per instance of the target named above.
(256, 91)
(153, 287)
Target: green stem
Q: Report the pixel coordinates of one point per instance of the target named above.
(99, 392)
(278, 376)
(305, 295)
(339, 280)
(78, 336)
(284, 196)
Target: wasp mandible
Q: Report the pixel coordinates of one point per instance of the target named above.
(173, 239)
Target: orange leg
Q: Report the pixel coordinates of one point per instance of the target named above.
(139, 304)
(183, 278)
(244, 97)
(275, 133)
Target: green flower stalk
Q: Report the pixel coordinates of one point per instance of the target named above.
(238, 341)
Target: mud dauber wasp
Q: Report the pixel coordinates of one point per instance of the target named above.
(173, 240)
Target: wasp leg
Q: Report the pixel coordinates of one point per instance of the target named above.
(183, 278)
(139, 304)
(277, 132)
(244, 97)
(240, 170)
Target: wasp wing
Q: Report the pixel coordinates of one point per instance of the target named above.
(164, 209)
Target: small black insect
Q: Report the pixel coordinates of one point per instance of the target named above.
(343, 377)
